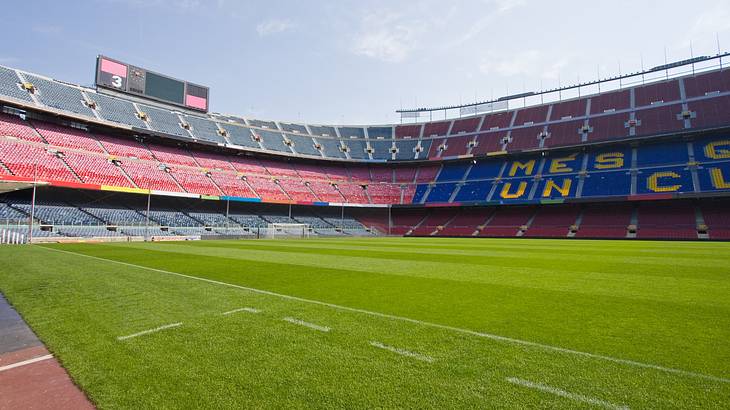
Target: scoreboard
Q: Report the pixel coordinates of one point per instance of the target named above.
(115, 75)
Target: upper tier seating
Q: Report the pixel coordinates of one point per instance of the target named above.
(240, 136)
(117, 110)
(164, 121)
(408, 131)
(380, 132)
(303, 145)
(273, 141)
(204, 129)
(57, 95)
(10, 85)
(323, 131)
(436, 129)
(262, 124)
(296, 128)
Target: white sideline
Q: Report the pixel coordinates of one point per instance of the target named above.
(146, 332)
(243, 309)
(26, 362)
(402, 352)
(306, 324)
(490, 336)
(567, 395)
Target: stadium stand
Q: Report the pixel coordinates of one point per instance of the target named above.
(578, 151)
(507, 221)
(12, 126)
(605, 221)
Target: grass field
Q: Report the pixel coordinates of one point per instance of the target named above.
(389, 322)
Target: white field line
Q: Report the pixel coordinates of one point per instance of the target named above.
(403, 352)
(146, 332)
(490, 336)
(306, 324)
(567, 395)
(243, 309)
(26, 362)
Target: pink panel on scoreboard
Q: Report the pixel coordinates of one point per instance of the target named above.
(196, 102)
(115, 68)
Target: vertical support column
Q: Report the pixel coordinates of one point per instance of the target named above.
(390, 219)
(147, 217)
(228, 220)
(32, 210)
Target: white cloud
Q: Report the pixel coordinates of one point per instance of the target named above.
(525, 63)
(175, 5)
(506, 5)
(47, 29)
(273, 26)
(385, 36)
(710, 22)
(493, 10)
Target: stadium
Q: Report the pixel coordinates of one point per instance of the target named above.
(556, 248)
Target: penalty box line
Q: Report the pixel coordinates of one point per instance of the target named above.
(490, 336)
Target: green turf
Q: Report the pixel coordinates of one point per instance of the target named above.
(663, 304)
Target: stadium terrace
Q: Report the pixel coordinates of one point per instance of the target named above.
(550, 166)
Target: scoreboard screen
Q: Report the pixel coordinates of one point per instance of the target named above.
(118, 76)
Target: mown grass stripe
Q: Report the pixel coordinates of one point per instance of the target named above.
(490, 336)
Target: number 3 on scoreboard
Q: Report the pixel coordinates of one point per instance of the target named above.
(117, 81)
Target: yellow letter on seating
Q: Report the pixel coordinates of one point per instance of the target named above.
(520, 190)
(718, 180)
(563, 190)
(528, 167)
(559, 165)
(718, 149)
(610, 160)
(653, 182)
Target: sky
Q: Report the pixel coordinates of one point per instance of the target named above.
(356, 62)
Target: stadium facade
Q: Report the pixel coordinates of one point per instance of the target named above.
(650, 160)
